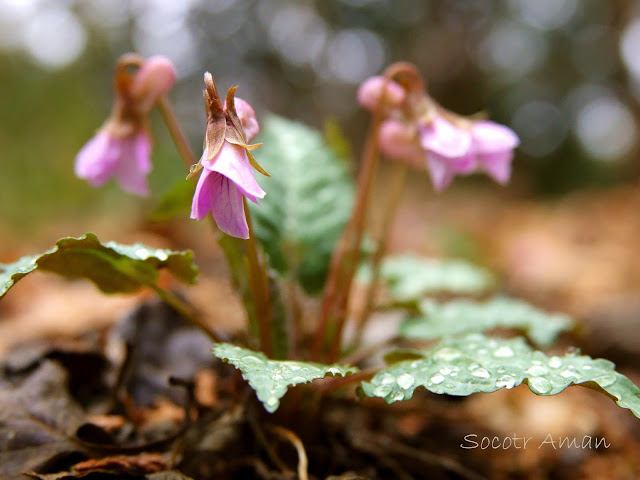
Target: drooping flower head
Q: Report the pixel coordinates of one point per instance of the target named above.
(122, 146)
(227, 163)
(417, 130)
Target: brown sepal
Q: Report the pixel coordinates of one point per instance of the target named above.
(256, 165)
(232, 115)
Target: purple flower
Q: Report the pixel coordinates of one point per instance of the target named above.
(447, 151)
(227, 164)
(122, 146)
(126, 158)
(221, 186)
(492, 149)
(416, 130)
(450, 150)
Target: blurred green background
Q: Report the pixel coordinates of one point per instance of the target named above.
(564, 74)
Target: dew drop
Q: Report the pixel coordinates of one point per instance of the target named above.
(446, 370)
(569, 374)
(555, 362)
(271, 403)
(382, 390)
(506, 381)
(436, 379)
(587, 367)
(540, 385)
(481, 373)
(387, 379)
(142, 253)
(537, 370)
(503, 352)
(405, 380)
(193, 167)
(606, 380)
(296, 380)
(397, 396)
(251, 359)
(447, 354)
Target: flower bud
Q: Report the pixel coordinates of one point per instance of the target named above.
(370, 93)
(248, 119)
(399, 141)
(154, 79)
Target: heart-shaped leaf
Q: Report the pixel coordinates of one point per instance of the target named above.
(476, 363)
(271, 378)
(458, 317)
(113, 267)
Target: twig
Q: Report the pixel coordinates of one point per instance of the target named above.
(426, 457)
(297, 444)
(257, 430)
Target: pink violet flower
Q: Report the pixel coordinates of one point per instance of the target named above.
(221, 186)
(122, 146)
(227, 164)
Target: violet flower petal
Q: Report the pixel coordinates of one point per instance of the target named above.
(202, 198)
(227, 206)
(497, 165)
(440, 170)
(233, 163)
(445, 139)
(98, 159)
(491, 137)
(134, 164)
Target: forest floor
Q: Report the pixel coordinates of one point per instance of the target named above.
(120, 387)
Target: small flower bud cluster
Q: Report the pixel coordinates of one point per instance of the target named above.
(418, 131)
(122, 146)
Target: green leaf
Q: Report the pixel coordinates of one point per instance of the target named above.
(176, 202)
(476, 363)
(458, 317)
(308, 201)
(409, 278)
(271, 378)
(113, 267)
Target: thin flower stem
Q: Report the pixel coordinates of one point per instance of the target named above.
(184, 309)
(180, 141)
(347, 251)
(347, 254)
(259, 285)
(398, 181)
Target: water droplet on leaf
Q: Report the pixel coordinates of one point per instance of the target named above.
(405, 380)
(503, 352)
(506, 381)
(540, 385)
(481, 373)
